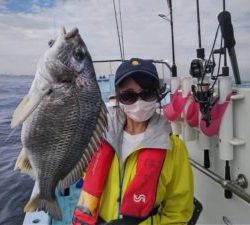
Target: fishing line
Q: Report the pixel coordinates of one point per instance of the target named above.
(10, 135)
(59, 99)
(219, 66)
(206, 64)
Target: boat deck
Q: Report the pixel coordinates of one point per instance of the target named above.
(67, 206)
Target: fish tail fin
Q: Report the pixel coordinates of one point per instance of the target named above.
(32, 204)
(50, 206)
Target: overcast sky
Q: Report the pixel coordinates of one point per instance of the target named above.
(27, 25)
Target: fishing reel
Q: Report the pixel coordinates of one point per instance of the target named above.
(199, 67)
(202, 92)
(203, 95)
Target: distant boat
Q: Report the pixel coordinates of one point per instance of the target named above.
(106, 84)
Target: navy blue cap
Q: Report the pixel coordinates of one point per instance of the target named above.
(135, 65)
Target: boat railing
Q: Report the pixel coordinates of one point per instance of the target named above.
(235, 187)
(160, 61)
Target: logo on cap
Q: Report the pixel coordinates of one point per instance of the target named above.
(135, 62)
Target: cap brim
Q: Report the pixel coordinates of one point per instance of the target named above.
(133, 72)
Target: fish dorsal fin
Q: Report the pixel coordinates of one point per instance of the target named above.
(77, 172)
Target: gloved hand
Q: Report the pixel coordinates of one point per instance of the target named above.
(82, 216)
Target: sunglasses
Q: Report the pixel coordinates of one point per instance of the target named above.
(130, 97)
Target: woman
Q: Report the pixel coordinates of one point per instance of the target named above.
(141, 173)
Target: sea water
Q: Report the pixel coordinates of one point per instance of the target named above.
(15, 188)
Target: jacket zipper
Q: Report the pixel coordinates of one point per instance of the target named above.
(121, 178)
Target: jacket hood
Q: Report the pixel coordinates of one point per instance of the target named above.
(156, 135)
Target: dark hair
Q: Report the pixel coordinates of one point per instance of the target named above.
(145, 82)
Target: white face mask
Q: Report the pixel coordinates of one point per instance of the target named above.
(140, 111)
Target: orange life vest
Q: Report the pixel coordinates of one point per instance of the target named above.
(139, 197)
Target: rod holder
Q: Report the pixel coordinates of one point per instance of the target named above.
(206, 159)
(227, 193)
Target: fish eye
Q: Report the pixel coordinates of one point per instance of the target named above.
(78, 54)
(51, 42)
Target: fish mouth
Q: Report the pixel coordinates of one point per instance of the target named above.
(70, 34)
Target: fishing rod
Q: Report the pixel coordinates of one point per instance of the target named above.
(199, 67)
(227, 32)
(200, 51)
(225, 54)
(120, 39)
(174, 67)
(203, 92)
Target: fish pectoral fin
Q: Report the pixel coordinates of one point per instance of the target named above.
(37, 202)
(25, 108)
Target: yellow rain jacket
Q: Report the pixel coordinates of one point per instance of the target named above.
(174, 195)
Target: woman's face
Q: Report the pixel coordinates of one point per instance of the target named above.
(137, 110)
(130, 91)
(130, 85)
